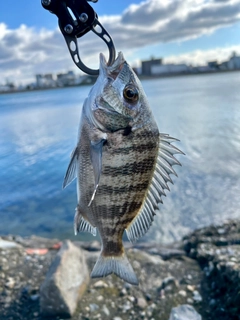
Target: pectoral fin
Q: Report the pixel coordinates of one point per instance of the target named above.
(96, 159)
(72, 169)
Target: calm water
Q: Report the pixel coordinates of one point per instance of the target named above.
(38, 132)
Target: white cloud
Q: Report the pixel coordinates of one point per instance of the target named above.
(27, 51)
(201, 57)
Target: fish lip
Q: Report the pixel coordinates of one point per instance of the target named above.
(114, 69)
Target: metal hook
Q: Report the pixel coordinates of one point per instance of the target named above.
(75, 20)
(74, 52)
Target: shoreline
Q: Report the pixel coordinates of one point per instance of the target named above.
(172, 75)
(202, 271)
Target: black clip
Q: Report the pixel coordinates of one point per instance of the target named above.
(75, 19)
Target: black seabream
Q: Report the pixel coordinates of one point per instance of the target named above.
(122, 165)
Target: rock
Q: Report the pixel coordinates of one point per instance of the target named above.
(210, 266)
(100, 298)
(196, 296)
(127, 286)
(217, 250)
(126, 307)
(165, 252)
(4, 244)
(92, 246)
(100, 284)
(141, 303)
(93, 307)
(10, 283)
(65, 282)
(123, 292)
(148, 296)
(34, 297)
(184, 312)
(169, 282)
(38, 242)
(105, 310)
(190, 288)
(182, 293)
(189, 301)
(131, 298)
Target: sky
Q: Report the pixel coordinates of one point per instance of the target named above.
(179, 31)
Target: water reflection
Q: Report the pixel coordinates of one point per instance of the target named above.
(204, 114)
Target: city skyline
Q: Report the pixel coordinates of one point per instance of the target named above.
(149, 68)
(189, 31)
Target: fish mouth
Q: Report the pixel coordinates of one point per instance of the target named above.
(114, 69)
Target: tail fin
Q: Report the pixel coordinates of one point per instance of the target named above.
(117, 265)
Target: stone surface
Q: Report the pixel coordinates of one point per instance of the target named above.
(65, 282)
(202, 270)
(160, 283)
(35, 242)
(217, 249)
(142, 303)
(4, 244)
(184, 312)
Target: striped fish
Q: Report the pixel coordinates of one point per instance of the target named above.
(122, 164)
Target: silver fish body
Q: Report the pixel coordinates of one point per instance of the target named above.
(122, 164)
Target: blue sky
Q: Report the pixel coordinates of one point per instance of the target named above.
(191, 31)
(31, 13)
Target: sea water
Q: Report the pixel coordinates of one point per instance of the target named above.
(38, 131)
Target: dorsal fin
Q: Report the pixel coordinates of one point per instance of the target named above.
(143, 220)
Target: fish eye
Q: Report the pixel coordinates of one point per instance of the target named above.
(130, 93)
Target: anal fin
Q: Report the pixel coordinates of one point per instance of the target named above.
(140, 224)
(80, 224)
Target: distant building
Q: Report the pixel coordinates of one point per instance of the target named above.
(148, 64)
(223, 66)
(45, 80)
(66, 79)
(203, 69)
(7, 87)
(169, 69)
(213, 64)
(234, 62)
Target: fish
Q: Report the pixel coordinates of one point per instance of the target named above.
(122, 164)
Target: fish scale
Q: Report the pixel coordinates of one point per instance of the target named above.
(122, 164)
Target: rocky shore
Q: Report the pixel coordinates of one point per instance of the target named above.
(198, 276)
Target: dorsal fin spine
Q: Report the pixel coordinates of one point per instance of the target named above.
(155, 194)
(162, 182)
(169, 157)
(152, 200)
(164, 174)
(158, 186)
(165, 165)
